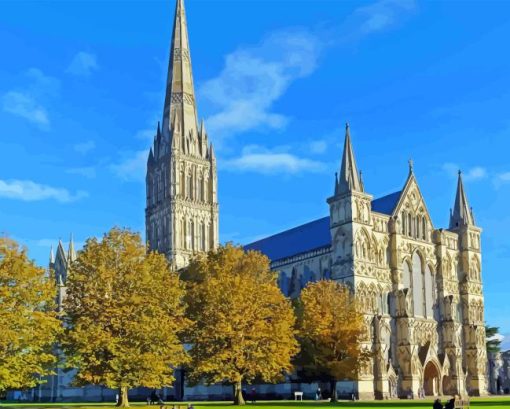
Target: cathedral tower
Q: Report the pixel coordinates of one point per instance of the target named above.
(350, 221)
(469, 272)
(181, 216)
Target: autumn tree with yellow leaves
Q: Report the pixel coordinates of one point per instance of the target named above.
(29, 325)
(124, 315)
(243, 324)
(330, 330)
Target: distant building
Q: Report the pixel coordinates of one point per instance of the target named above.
(499, 373)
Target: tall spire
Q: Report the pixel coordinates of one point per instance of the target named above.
(349, 178)
(180, 95)
(462, 214)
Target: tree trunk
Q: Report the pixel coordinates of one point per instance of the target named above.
(123, 397)
(334, 397)
(238, 394)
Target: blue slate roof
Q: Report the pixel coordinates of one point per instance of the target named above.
(386, 204)
(311, 236)
(301, 239)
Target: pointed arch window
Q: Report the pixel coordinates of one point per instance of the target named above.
(183, 184)
(201, 187)
(189, 189)
(418, 286)
(191, 234)
(404, 223)
(424, 228)
(409, 225)
(429, 292)
(202, 236)
(183, 233)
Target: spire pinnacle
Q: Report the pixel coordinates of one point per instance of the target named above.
(71, 253)
(52, 256)
(462, 214)
(349, 178)
(180, 94)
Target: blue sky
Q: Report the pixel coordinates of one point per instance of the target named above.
(81, 91)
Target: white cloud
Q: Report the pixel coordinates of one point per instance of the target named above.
(30, 191)
(318, 147)
(503, 177)
(84, 147)
(23, 105)
(253, 78)
(472, 174)
(132, 167)
(505, 344)
(260, 160)
(42, 84)
(476, 173)
(86, 171)
(26, 102)
(83, 64)
(381, 14)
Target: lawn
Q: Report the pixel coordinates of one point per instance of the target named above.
(489, 403)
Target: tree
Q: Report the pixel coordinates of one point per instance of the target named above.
(124, 314)
(330, 330)
(493, 340)
(243, 324)
(29, 325)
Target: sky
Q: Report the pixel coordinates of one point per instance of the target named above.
(82, 88)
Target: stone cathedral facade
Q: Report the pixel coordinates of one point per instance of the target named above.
(420, 286)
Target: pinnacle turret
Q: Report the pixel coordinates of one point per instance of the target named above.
(462, 214)
(71, 253)
(52, 255)
(349, 178)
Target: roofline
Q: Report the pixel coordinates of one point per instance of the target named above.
(286, 231)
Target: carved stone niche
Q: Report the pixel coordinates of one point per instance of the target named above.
(404, 303)
(449, 308)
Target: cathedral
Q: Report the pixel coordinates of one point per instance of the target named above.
(420, 286)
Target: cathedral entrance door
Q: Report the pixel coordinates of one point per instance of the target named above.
(431, 379)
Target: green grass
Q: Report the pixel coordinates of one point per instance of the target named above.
(488, 403)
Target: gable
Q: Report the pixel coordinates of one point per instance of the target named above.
(411, 200)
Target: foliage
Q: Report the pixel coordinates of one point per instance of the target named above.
(244, 325)
(124, 314)
(28, 320)
(493, 343)
(330, 331)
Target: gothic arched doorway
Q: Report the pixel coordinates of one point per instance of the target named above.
(431, 379)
